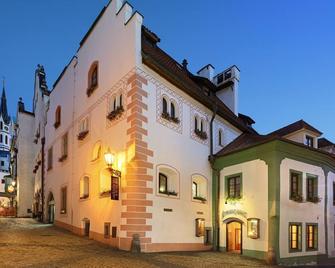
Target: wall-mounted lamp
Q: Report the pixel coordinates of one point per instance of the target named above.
(109, 158)
(13, 183)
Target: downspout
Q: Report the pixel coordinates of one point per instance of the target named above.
(42, 178)
(216, 223)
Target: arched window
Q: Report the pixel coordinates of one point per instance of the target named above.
(92, 78)
(1, 138)
(1, 125)
(220, 137)
(96, 151)
(6, 139)
(196, 123)
(199, 188)
(120, 101)
(168, 181)
(84, 187)
(165, 106)
(172, 110)
(114, 104)
(202, 125)
(58, 116)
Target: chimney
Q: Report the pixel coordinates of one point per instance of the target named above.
(227, 83)
(20, 105)
(207, 72)
(185, 63)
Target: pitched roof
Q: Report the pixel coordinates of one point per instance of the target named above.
(197, 87)
(298, 125)
(323, 142)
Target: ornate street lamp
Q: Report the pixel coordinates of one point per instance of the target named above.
(116, 175)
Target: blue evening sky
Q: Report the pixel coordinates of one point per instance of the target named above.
(285, 49)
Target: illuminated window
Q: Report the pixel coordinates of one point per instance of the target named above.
(199, 227)
(96, 151)
(163, 180)
(105, 182)
(199, 188)
(84, 187)
(295, 237)
(63, 200)
(195, 191)
(253, 228)
(311, 236)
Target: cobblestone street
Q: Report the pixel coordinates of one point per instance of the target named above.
(26, 243)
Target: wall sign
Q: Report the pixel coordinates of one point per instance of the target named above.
(253, 228)
(199, 227)
(115, 187)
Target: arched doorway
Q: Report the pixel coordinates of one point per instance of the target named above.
(234, 236)
(51, 208)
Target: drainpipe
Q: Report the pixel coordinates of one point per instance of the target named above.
(216, 223)
(42, 178)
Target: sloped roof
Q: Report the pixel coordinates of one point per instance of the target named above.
(323, 142)
(195, 86)
(298, 125)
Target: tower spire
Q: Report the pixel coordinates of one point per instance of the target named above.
(3, 104)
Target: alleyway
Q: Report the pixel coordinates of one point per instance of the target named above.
(25, 243)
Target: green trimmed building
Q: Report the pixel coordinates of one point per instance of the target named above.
(273, 196)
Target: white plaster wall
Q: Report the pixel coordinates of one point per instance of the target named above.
(25, 163)
(331, 215)
(306, 212)
(174, 146)
(254, 202)
(300, 136)
(116, 47)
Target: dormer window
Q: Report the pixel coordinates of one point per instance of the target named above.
(57, 117)
(92, 79)
(309, 141)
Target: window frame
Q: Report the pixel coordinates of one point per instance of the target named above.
(299, 191)
(315, 236)
(309, 141)
(314, 182)
(107, 226)
(82, 195)
(227, 186)
(50, 158)
(220, 137)
(299, 237)
(63, 203)
(160, 176)
(58, 116)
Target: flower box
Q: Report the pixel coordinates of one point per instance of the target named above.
(82, 135)
(200, 198)
(62, 158)
(314, 199)
(90, 90)
(57, 124)
(201, 134)
(115, 114)
(166, 116)
(297, 198)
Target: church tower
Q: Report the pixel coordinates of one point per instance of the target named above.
(5, 140)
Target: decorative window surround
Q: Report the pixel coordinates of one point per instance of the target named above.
(199, 135)
(83, 128)
(116, 106)
(164, 117)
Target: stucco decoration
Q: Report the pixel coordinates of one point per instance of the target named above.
(196, 111)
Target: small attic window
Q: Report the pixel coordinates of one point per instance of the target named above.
(220, 78)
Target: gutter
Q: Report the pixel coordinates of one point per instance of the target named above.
(215, 204)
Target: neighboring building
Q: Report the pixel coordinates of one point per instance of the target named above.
(136, 146)
(29, 144)
(276, 195)
(6, 132)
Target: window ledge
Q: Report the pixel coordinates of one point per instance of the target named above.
(172, 195)
(201, 134)
(169, 118)
(85, 197)
(82, 135)
(56, 125)
(62, 158)
(105, 194)
(115, 114)
(91, 89)
(199, 200)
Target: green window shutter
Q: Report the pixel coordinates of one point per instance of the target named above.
(315, 182)
(299, 237)
(300, 184)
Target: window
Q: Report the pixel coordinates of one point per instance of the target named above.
(333, 193)
(83, 128)
(105, 182)
(295, 237)
(165, 106)
(6, 139)
(199, 188)
(57, 117)
(1, 125)
(115, 105)
(309, 141)
(107, 227)
(234, 186)
(96, 151)
(1, 138)
(196, 123)
(311, 236)
(114, 231)
(172, 110)
(50, 160)
(296, 186)
(2, 163)
(92, 79)
(84, 187)
(202, 125)
(162, 183)
(167, 181)
(64, 148)
(220, 138)
(312, 189)
(63, 200)
(199, 227)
